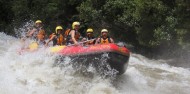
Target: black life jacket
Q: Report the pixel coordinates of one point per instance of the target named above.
(90, 42)
(69, 38)
(58, 40)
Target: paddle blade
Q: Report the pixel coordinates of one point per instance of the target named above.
(56, 48)
(33, 46)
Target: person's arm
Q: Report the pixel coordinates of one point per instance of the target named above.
(73, 37)
(97, 41)
(94, 41)
(84, 39)
(31, 32)
(50, 39)
(112, 41)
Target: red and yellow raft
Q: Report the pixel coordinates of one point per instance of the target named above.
(115, 56)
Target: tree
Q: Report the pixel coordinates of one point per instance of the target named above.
(143, 23)
(149, 23)
(6, 16)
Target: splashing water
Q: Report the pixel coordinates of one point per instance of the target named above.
(21, 32)
(34, 73)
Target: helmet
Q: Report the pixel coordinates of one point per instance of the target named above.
(58, 28)
(104, 30)
(74, 24)
(38, 21)
(90, 30)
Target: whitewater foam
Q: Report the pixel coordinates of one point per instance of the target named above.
(35, 73)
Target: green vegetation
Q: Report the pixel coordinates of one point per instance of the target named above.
(151, 24)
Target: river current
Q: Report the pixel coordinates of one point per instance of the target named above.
(34, 73)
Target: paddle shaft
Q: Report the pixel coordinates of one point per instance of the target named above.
(82, 42)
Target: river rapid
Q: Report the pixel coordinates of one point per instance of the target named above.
(34, 73)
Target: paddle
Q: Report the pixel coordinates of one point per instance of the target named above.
(81, 42)
(33, 46)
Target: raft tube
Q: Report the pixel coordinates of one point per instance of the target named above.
(116, 56)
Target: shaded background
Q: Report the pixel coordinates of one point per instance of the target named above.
(156, 28)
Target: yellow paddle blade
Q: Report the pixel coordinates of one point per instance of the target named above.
(33, 46)
(56, 48)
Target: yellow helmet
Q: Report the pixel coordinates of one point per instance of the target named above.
(58, 28)
(90, 30)
(74, 24)
(38, 21)
(104, 30)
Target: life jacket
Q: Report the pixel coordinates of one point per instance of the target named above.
(51, 35)
(105, 40)
(69, 38)
(90, 42)
(67, 32)
(41, 34)
(58, 39)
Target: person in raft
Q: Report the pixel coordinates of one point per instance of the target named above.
(104, 38)
(37, 33)
(57, 37)
(73, 35)
(89, 39)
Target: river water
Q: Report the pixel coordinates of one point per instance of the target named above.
(34, 73)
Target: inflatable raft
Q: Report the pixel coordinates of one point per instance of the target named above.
(115, 56)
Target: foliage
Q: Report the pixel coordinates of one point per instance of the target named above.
(149, 23)
(143, 23)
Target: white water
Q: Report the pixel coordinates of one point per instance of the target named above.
(33, 73)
